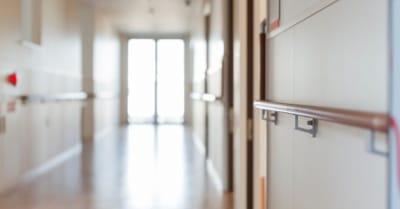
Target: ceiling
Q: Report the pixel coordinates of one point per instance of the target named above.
(149, 16)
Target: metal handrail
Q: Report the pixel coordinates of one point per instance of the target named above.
(104, 95)
(367, 120)
(205, 97)
(61, 97)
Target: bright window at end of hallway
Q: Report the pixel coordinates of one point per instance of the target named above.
(31, 22)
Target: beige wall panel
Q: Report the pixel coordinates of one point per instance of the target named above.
(107, 117)
(340, 57)
(198, 47)
(199, 67)
(215, 81)
(336, 58)
(58, 33)
(217, 137)
(281, 76)
(336, 171)
(217, 119)
(38, 132)
(199, 121)
(105, 75)
(281, 164)
(292, 8)
(294, 11)
(216, 49)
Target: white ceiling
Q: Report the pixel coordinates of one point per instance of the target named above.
(148, 16)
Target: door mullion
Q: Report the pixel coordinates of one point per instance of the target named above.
(156, 82)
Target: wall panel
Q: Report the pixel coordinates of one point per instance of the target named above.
(336, 58)
(36, 133)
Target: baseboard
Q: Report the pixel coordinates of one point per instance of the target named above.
(51, 164)
(212, 172)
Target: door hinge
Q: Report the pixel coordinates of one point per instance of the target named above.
(249, 129)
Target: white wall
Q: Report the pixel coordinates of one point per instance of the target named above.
(38, 132)
(68, 59)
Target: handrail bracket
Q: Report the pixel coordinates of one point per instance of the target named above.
(371, 143)
(270, 116)
(313, 123)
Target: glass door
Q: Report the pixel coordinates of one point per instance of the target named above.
(170, 77)
(156, 80)
(141, 72)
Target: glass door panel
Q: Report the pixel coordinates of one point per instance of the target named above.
(170, 80)
(141, 81)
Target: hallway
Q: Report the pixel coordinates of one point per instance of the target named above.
(138, 167)
(286, 104)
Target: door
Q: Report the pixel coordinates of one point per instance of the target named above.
(156, 80)
(141, 80)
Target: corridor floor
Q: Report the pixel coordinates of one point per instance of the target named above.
(138, 167)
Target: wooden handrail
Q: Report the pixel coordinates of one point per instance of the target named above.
(368, 120)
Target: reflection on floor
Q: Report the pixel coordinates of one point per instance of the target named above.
(140, 167)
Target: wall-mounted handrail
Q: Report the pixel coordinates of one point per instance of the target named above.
(61, 97)
(205, 97)
(367, 120)
(104, 95)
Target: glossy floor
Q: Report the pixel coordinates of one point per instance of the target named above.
(139, 167)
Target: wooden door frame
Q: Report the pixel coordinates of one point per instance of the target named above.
(250, 99)
(228, 91)
(243, 105)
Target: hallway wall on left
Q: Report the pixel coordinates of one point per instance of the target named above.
(39, 134)
(36, 133)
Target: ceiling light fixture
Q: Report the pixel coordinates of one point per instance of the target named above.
(151, 10)
(188, 2)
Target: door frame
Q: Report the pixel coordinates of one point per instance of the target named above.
(250, 100)
(228, 76)
(125, 72)
(243, 103)
(226, 94)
